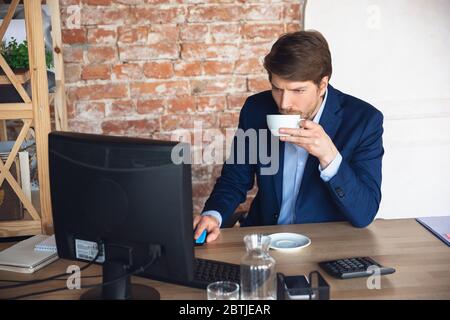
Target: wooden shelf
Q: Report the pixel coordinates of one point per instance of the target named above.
(21, 78)
(33, 111)
(16, 111)
(20, 228)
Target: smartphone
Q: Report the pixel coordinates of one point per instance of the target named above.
(297, 288)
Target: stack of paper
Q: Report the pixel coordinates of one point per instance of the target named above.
(48, 244)
(22, 257)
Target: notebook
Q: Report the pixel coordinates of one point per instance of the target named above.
(439, 226)
(48, 244)
(23, 258)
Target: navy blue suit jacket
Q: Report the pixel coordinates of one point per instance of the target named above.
(353, 194)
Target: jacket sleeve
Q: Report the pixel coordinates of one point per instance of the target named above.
(356, 188)
(236, 178)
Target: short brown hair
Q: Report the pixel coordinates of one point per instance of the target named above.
(300, 56)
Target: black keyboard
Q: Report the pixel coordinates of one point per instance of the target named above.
(353, 267)
(207, 271)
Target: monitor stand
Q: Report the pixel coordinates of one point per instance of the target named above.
(117, 266)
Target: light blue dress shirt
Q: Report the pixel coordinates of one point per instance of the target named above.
(294, 165)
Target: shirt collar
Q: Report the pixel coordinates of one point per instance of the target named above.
(322, 106)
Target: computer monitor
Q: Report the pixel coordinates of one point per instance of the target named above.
(128, 197)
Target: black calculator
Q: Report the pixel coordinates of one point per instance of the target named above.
(354, 267)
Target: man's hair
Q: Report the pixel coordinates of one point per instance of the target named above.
(300, 56)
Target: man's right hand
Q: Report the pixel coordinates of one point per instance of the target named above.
(210, 224)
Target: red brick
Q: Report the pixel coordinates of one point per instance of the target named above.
(72, 54)
(198, 204)
(254, 49)
(216, 171)
(130, 34)
(181, 104)
(225, 33)
(141, 127)
(214, 13)
(293, 27)
(211, 103)
(292, 12)
(245, 207)
(201, 172)
(102, 36)
(101, 91)
(71, 95)
(150, 106)
(263, 12)
(149, 52)
(249, 66)
(121, 108)
(130, 2)
(167, 33)
(127, 71)
(98, 2)
(218, 85)
(148, 15)
(73, 36)
(258, 84)
(63, 3)
(94, 16)
(176, 87)
(70, 109)
(202, 189)
(85, 126)
(86, 110)
(218, 67)
(187, 69)
(158, 70)
(236, 101)
(72, 72)
(93, 72)
(261, 32)
(164, 1)
(198, 51)
(226, 1)
(229, 119)
(194, 32)
(101, 54)
(185, 121)
(253, 191)
(160, 136)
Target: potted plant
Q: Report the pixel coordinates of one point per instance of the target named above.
(16, 55)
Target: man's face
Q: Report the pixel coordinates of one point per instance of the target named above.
(298, 97)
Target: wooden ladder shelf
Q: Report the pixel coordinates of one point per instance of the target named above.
(33, 112)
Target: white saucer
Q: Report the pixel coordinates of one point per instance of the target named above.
(288, 241)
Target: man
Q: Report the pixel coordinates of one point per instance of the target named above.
(330, 167)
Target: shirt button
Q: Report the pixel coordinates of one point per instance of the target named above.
(339, 192)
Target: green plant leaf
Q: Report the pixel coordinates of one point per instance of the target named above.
(16, 54)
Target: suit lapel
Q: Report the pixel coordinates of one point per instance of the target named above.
(330, 120)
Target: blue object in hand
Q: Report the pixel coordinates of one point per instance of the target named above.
(202, 238)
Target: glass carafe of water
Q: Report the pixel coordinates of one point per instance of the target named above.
(258, 275)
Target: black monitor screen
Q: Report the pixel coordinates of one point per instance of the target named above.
(125, 192)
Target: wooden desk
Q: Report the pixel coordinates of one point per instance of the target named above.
(422, 261)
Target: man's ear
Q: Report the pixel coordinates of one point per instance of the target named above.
(323, 85)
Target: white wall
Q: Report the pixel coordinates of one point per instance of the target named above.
(396, 56)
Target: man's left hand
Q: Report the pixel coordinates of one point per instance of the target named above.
(311, 137)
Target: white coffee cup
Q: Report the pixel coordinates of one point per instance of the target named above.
(277, 121)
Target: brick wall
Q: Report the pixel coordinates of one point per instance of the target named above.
(146, 67)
